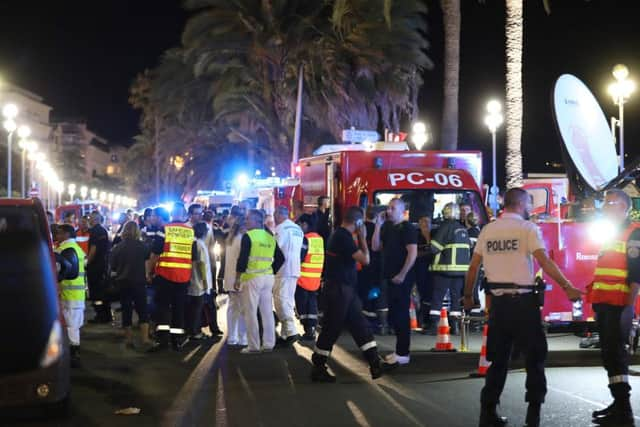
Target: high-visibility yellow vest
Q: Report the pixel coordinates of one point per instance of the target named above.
(174, 263)
(73, 289)
(311, 267)
(263, 248)
(610, 285)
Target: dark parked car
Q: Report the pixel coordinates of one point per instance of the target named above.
(34, 354)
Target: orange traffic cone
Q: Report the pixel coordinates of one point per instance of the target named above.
(413, 320)
(443, 340)
(483, 363)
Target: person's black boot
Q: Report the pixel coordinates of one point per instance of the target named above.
(74, 358)
(320, 374)
(603, 412)
(490, 418)
(533, 415)
(620, 413)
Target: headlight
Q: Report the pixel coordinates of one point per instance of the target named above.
(602, 230)
(54, 347)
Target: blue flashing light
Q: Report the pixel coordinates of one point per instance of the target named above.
(242, 180)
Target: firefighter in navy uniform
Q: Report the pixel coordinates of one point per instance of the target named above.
(342, 305)
(612, 293)
(507, 247)
(171, 261)
(451, 246)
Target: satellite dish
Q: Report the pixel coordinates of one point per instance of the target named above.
(585, 132)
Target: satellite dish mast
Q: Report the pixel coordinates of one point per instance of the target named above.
(585, 132)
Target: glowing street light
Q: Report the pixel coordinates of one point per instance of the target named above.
(27, 146)
(10, 112)
(71, 190)
(103, 196)
(493, 120)
(419, 135)
(620, 91)
(94, 194)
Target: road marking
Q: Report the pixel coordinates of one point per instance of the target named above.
(221, 404)
(589, 401)
(348, 361)
(186, 397)
(245, 385)
(358, 415)
(191, 354)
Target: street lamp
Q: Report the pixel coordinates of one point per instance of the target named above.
(419, 135)
(494, 120)
(103, 196)
(10, 111)
(621, 90)
(72, 191)
(60, 189)
(83, 192)
(27, 146)
(94, 194)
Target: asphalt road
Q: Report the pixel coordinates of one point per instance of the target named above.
(209, 384)
(275, 390)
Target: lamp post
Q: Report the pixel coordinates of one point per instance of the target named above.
(94, 194)
(26, 146)
(60, 189)
(419, 135)
(71, 190)
(10, 111)
(493, 120)
(83, 192)
(621, 90)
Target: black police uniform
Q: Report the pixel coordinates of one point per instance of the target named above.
(341, 305)
(451, 248)
(371, 291)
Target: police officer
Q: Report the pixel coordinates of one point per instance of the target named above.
(613, 292)
(171, 261)
(71, 276)
(450, 246)
(342, 306)
(507, 248)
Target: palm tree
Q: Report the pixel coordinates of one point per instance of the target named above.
(362, 61)
(451, 19)
(513, 120)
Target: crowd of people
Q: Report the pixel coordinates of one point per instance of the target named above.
(162, 266)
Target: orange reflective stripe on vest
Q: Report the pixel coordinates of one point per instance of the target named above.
(174, 264)
(311, 267)
(610, 281)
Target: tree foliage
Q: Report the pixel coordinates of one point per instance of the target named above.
(231, 84)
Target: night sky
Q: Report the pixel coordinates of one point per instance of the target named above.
(82, 56)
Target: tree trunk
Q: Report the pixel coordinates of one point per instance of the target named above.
(451, 20)
(514, 30)
(156, 157)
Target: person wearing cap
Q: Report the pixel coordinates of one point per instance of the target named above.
(72, 285)
(507, 248)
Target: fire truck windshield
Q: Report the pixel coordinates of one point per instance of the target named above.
(431, 202)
